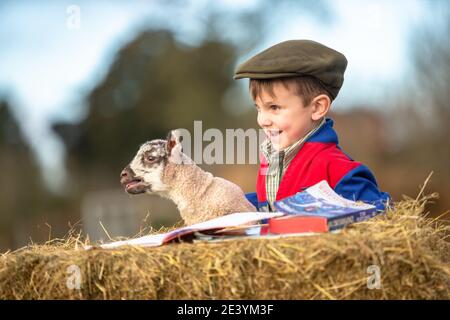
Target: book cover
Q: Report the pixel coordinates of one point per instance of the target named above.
(318, 209)
(297, 224)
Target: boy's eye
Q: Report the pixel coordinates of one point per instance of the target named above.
(274, 107)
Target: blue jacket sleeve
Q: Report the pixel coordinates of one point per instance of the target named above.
(252, 197)
(359, 184)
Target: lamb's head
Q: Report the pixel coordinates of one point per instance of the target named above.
(145, 171)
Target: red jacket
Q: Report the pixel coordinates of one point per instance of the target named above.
(321, 158)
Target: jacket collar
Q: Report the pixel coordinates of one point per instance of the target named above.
(325, 134)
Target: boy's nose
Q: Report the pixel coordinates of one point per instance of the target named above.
(264, 121)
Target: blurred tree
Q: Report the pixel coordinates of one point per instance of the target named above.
(154, 85)
(424, 116)
(20, 186)
(432, 56)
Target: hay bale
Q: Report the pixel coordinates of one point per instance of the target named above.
(409, 249)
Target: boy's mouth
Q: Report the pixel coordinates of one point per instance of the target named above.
(273, 134)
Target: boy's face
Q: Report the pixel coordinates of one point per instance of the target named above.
(283, 117)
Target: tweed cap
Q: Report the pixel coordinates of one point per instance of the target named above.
(295, 58)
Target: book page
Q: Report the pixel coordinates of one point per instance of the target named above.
(324, 191)
(147, 241)
(234, 219)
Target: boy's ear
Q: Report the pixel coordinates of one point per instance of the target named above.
(321, 106)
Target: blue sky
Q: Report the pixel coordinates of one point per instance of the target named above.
(46, 67)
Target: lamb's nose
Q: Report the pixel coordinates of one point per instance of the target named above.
(125, 174)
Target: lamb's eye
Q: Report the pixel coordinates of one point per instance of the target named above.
(150, 158)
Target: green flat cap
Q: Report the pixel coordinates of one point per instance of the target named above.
(295, 58)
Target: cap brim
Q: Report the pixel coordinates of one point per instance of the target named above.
(262, 76)
(253, 75)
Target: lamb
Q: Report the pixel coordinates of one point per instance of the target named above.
(160, 167)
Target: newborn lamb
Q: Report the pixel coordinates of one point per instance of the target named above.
(160, 167)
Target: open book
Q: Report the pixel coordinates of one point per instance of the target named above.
(231, 220)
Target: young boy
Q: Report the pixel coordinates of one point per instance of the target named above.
(293, 85)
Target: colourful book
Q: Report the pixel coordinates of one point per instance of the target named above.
(318, 209)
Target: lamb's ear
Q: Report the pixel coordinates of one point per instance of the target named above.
(171, 142)
(173, 146)
(173, 138)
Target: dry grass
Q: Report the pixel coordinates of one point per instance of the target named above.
(410, 250)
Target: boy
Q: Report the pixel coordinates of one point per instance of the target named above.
(293, 85)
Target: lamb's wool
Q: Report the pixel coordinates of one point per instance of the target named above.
(199, 195)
